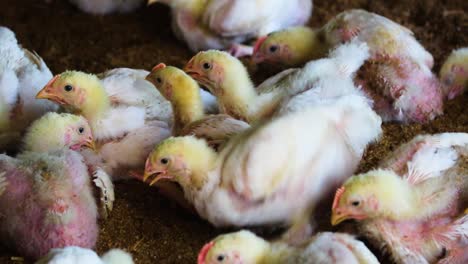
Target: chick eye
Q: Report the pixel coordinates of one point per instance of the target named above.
(164, 161)
(159, 80)
(68, 88)
(81, 130)
(355, 203)
(273, 48)
(220, 258)
(206, 66)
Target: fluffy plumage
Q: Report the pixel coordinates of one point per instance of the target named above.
(53, 132)
(297, 45)
(77, 255)
(103, 7)
(397, 75)
(209, 24)
(412, 206)
(124, 117)
(22, 75)
(245, 247)
(454, 73)
(227, 78)
(47, 202)
(187, 105)
(229, 188)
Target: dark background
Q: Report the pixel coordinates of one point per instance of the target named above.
(151, 228)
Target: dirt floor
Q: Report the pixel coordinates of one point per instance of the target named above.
(151, 228)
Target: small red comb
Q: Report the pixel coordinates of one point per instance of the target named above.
(52, 80)
(338, 194)
(158, 67)
(203, 252)
(259, 43)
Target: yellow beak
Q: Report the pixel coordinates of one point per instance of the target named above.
(43, 94)
(336, 219)
(90, 144)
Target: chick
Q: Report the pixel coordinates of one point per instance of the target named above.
(127, 127)
(222, 24)
(103, 7)
(189, 117)
(53, 131)
(46, 196)
(228, 79)
(296, 45)
(22, 75)
(412, 205)
(229, 188)
(397, 75)
(77, 255)
(245, 247)
(454, 73)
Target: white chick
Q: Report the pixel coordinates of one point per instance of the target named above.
(22, 75)
(78, 255)
(103, 7)
(324, 248)
(275, 172)
(209, 24)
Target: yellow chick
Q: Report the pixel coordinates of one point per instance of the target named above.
(126, 133)
(227, 78)
(245, 247)
(189, 118)
(413, 209)
(454, 73)
(294, 46)
(275, 172)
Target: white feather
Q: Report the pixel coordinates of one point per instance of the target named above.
(78, 255)
(118, 121)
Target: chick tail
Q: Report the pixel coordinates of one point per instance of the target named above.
(117, 256)
(350, 56)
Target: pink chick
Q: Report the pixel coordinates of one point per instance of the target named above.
(45, 195)
(413, 206)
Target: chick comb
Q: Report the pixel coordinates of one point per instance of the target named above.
(203, 252)
(338, 194)
(159, 66)
(259, 43)
(52, 80)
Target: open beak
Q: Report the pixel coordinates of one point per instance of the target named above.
(188, 68)
(89, 143)
(158, 175)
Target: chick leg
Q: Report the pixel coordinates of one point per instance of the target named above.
(102, 180)
(3, 183)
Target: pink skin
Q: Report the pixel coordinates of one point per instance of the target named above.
(239, 50)
(29, 209)
(347, 34)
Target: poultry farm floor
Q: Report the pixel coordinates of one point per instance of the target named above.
(151, 228)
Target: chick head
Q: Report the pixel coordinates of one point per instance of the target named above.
(55, 131)
(239, 247)
(290, 47)
(173, 83)
(454, 73)
(214, 68)
(378, 193)
(75, 90)
(185, 160)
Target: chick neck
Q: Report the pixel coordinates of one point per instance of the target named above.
(187, 107)
(238, 95)
(97, 103)
(199, 159)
